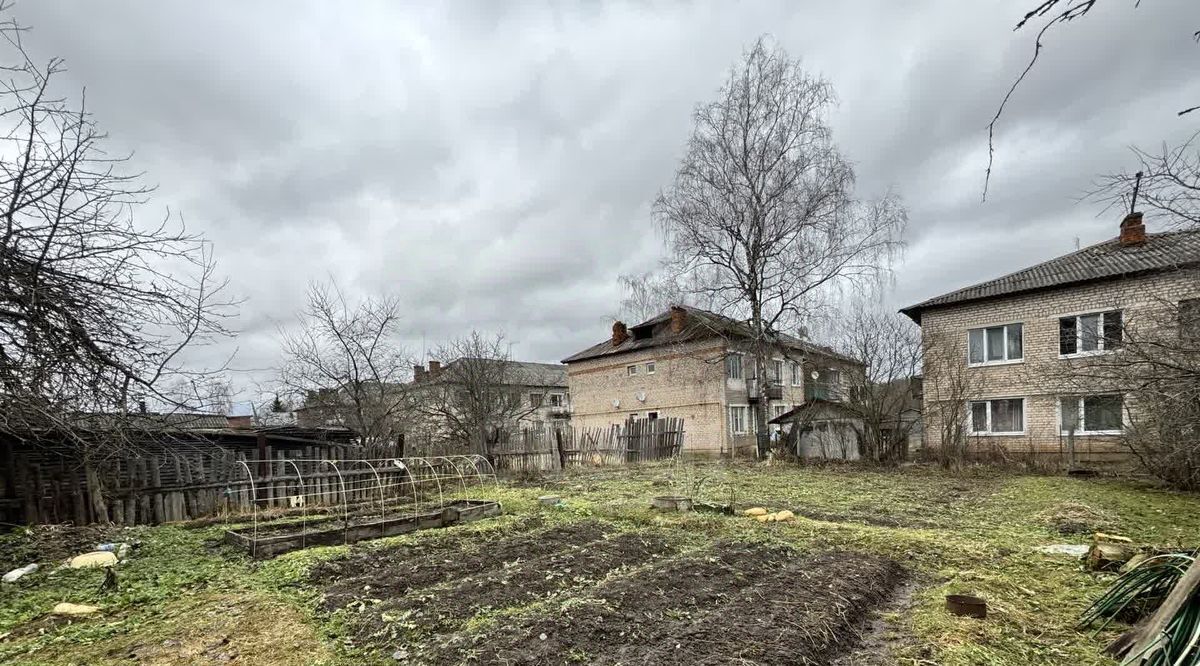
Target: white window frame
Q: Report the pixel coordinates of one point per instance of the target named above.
(631, 370)
(778, 410)
(1079, 405)
(741, 365)
(988, 433)
(550, 399)
(745, 419)
(651, 366)
(1006, 360)
(797, 373)
(1101, 341)
(777, 363)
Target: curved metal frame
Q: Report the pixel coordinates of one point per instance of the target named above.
(303, 502)
(345, 506)
(253, 508)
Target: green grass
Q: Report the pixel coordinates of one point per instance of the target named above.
(973, 532)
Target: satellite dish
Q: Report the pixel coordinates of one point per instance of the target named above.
(815, 375)
(616, 404)
(641, 396)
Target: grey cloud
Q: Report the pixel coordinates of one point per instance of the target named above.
(493, 164)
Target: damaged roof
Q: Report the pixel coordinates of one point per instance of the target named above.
(698, 325)
(1110, 259)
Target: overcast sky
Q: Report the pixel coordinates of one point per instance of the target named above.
(493, 164)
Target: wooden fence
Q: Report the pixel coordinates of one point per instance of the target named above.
(169, 478)
(550, 448)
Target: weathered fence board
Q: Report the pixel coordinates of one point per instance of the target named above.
(549, 448)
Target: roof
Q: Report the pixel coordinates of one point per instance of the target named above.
(526, 373)
(174, 421)
(518, 373)
(830, 408)
(699, 325)
(1107, 260)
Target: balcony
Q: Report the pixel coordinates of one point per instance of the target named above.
(755, 389)
(822, 391)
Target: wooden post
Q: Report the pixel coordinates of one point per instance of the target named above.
(95, 491)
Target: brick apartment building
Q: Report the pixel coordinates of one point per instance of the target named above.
(1019, 345)
(689, 363)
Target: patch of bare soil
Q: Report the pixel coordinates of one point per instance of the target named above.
(738, 603)
(518, 583)
(389, 573)
(807, 611)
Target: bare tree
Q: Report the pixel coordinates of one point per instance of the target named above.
(761, 214)
(96, 308)
(948, 385)
(648, 294)
(344, 361)
(890, 346)
(1151, 386)
(1166, 182)
(476, 394)
(1055, 13)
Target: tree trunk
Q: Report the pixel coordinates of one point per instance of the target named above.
(95, 491)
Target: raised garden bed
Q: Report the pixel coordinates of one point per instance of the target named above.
(268, 542)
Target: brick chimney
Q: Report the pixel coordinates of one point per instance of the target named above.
(1133, 232)
(418, 373)
(435, 369)
(620, 333)
(678, 319)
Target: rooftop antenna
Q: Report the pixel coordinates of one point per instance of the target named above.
(1137, 185)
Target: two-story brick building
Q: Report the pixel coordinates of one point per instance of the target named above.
(692, 364)
(1007, 360)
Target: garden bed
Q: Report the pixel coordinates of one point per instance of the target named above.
(273, 541)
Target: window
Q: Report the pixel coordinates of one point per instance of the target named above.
(796, 370)
(738, 419)
(1092, 414)
(751, 369)
(995, 417)
(631, 370)
(733, 366)
(778, 410)
(995, 344)
(556, 400)
(535, 399)
(653, 416)
(1089, 333)
(777, 370)
(650, 367)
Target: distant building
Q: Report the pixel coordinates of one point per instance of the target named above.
(692, 364)
(539, 390)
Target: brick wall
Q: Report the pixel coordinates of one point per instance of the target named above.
(689, 382)
(1041, 376)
